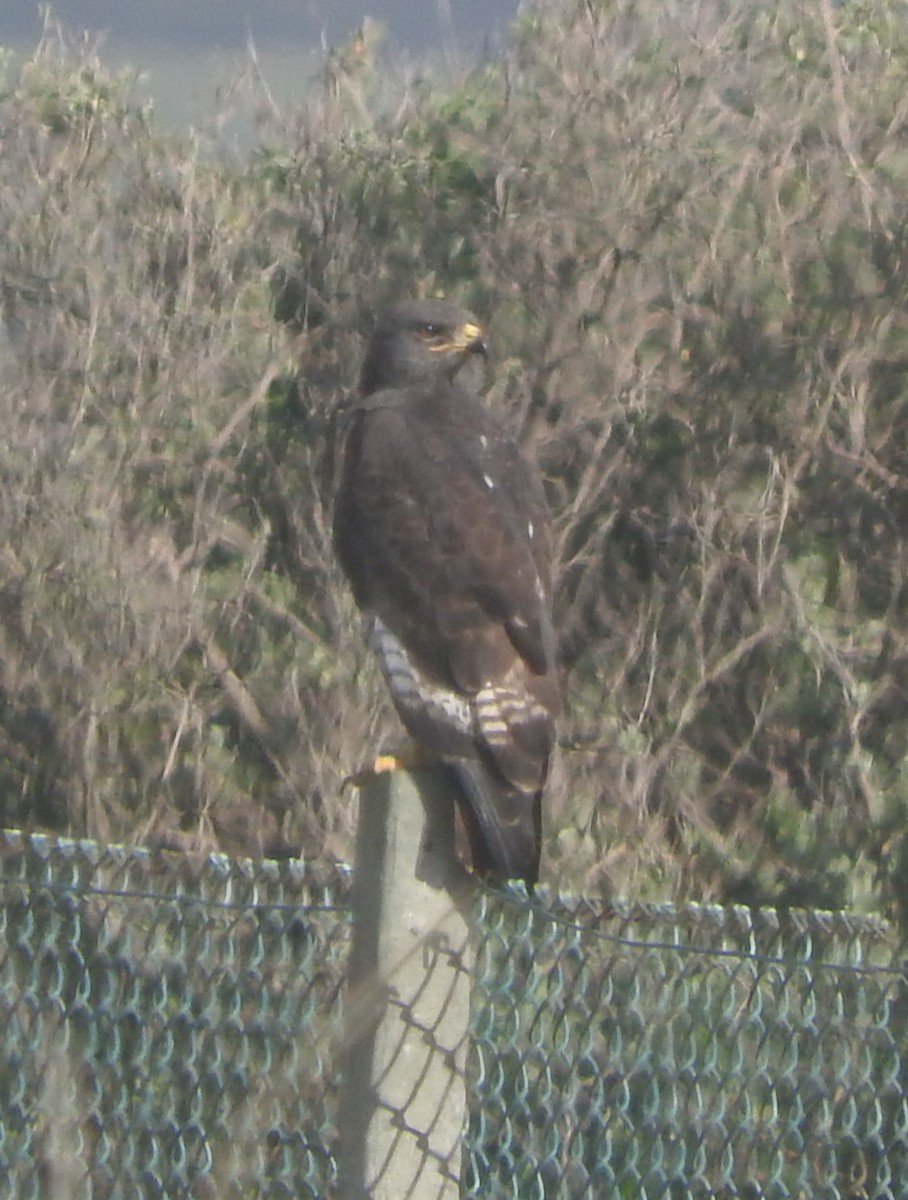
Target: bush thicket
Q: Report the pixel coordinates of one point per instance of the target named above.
(685, 226)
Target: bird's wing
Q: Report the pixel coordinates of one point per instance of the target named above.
(444, 537)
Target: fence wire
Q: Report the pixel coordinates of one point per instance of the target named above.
(692, 1052)
(166, 1024)
(170, 1027)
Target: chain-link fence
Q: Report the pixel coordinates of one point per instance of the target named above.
(170, 1027)
(693, 1052)
(166, 1024)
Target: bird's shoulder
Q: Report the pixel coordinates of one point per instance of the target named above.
(444, 406)
(446, 423)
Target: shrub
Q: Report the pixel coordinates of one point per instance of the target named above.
(684, 225)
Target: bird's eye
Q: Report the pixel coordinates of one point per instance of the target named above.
(429, 330)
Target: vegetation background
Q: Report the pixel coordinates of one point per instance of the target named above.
(686, 226)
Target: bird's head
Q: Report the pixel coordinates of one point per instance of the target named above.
(420, 342)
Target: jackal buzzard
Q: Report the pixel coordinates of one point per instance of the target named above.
(442, 530)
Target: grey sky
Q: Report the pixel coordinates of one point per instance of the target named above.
(185, 48)
(226, 23)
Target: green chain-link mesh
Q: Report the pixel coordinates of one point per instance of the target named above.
(169, 1027)
(696, 1052)
(165, 1024)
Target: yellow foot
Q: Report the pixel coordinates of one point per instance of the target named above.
(387, 762)
(410, 757)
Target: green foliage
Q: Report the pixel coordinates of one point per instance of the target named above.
(684, 225)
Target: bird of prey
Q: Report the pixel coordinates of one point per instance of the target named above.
(442, 530)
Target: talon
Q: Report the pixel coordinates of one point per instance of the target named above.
(410, 757)
(388, 762)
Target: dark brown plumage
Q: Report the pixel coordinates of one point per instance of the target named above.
(442, 530)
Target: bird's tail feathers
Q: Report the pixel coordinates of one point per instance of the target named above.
(503, 823)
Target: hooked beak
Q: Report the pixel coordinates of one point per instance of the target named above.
(471, 339)
(468, 339)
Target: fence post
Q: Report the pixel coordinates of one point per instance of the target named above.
(404, 1103)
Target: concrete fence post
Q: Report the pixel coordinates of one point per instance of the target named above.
(404, 1103)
